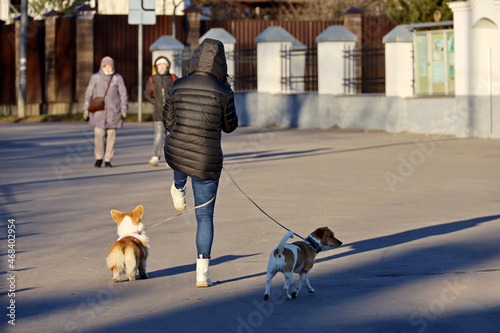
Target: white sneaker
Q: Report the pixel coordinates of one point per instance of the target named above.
(178, 197)
(154, 161)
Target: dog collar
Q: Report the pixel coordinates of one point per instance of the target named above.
(139, 232)
(315, 245)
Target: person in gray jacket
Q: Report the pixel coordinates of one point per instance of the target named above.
(156, 91)
(106, 121)
(198, 108)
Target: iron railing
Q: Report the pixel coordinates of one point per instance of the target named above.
(245, 68)
(299, 69)
(364, 71)
(181, 60)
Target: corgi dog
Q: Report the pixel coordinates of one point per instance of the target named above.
(298, 257)
(130, 252)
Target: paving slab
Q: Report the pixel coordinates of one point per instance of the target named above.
(419, 217)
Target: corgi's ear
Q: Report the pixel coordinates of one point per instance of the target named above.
(138, 211)
(116, 215)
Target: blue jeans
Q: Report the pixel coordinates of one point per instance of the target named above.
(203, 191)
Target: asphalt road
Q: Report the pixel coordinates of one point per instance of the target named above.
(419, 217)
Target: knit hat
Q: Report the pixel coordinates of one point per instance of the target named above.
(107, 61)
(161, 61)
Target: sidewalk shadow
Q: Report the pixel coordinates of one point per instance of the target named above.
(275, 154)
(281, 154)
(355, 285)
(192, 267)
(410, 235)
(246, 311)
(241, 278)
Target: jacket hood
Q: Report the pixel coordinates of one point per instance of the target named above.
(209, 57)
(107, 61)
(168, 64)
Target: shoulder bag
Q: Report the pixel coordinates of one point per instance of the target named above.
(97, 104)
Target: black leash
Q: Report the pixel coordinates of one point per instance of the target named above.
(281, 225)
(206, 203)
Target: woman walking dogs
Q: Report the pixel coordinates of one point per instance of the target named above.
(198, 107)
(108, 84)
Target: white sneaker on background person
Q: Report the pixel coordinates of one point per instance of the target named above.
(154, 161)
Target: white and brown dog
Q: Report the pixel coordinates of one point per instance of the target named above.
(130, 252)
(298, 257)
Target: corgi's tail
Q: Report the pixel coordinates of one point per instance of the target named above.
(123, 260)
(281, 245)
(115, 261)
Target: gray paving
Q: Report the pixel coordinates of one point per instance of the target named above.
(419, 217)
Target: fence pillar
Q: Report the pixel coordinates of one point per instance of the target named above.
(477, 74)
(51, 19)
(4, 12)
(353, 21)
(84, 49)
(34, 64)
(229, 42)
(192, 19)
(399, 62)
(332, 43)
(462, 26)
(170, 48)
(269, 45)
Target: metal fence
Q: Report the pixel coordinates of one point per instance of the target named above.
(245, 69)
(364, 71)
(245, 31)
(299, 69)
(8, 68)
(181, 59)
(35, 65)
(116, 38)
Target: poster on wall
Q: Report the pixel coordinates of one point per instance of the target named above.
(450, 43)
(422, 50)
(438, 68)
(438, 72)
(437, 49)
(451, 49)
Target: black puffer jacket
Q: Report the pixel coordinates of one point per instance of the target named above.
(198, 107)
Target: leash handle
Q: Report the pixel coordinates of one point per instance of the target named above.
(281, 225)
